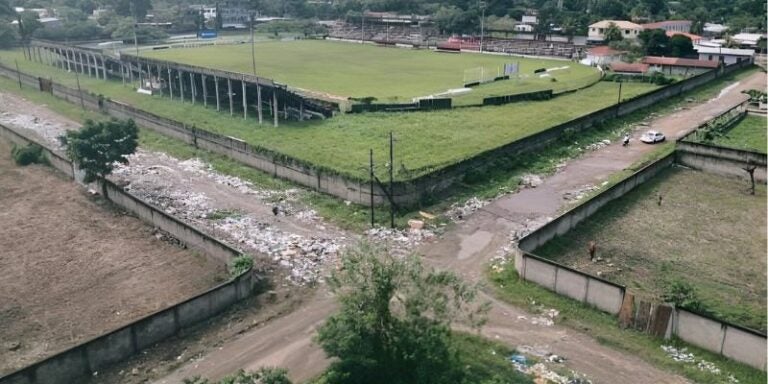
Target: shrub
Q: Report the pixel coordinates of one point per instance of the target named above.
(683, 295)
(31, 154)
(241, 264)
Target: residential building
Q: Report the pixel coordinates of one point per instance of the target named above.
(628, 29)
(602, 55)
(679, 66)
(671, 25)
(725, 55)
(714, 30)
(747, 40)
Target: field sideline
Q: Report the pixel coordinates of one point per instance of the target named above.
(389, 74)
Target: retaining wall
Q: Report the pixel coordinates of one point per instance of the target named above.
(95, 354)
(357, 190)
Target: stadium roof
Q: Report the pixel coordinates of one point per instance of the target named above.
(679, 62)
(603, 50)
(662, 24)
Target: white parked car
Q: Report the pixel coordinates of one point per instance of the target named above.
(652, 137)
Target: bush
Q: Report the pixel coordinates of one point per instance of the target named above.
(683, 295)
(241, 264)
(31, 154)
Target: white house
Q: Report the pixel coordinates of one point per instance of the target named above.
(725, 55)
(602, 55)
(629, 30)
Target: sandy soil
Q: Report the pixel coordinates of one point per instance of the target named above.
(72, 268)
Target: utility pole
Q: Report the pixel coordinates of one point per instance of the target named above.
(482, 25)
(373, 219)
(253, 48)
(391, 180)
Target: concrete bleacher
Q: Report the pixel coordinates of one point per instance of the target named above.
(386, 34)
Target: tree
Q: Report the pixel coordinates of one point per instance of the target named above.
(655, 42)
(394, 325)
(99, 145)
(8, 35)
(680, 46)
(265, 375)
(612, 33)
(133, 8)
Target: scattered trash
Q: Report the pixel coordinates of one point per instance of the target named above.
(579, 193)
(427, 215)
(682, 355)
(459, 212)
(415, 224)
(531, 181)
(599, 145)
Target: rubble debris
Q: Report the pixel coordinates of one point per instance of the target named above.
(427, 215)
(531, 181)
(400, 242)
(458, 212)
(415, 224)
(598, 145)
(580, 192)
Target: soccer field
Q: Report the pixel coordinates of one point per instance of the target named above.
(388, 74)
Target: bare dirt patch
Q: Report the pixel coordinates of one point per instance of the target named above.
(707, 231)
(73, 267)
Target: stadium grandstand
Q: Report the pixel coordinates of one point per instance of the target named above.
(387, 28)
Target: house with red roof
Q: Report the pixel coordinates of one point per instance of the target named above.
(679, 66)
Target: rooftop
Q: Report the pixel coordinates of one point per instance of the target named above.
(603, 50)
(629, 68)
(725, 51)
(680, 62)
(662, 24)
(623, 24)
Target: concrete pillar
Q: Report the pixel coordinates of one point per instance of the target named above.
(192, 86)
(170, 83)
(301, 110)
(245, 102)
(79, 61)
(216, 86)
(69, 65)
(205, 92)
(274, 105)
(231, 105)
(103, 67)
(122, 72)
(130, 72)
(181, 85)
(258, 102)
(90, 67)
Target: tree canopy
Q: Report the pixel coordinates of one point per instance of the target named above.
(394, 325)
(99, 145)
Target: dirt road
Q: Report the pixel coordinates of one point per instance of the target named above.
(466, 249)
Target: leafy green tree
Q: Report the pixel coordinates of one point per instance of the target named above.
(99, 145)
(655, 42)
(394, 325)
(680, 46)
(265, 375)
(132, 8)
(612, 33)
(124, 29)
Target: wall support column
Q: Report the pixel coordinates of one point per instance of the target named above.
(192, 86)
(216, 85)
(245, 102)
(231, 104)
(258, 102)
(205, 92)
(181, 85)
(274, 106)
(170, 83)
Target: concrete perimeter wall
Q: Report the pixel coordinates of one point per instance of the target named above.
(721, 160)
(96, 354)
(343, 186)
(738, 343)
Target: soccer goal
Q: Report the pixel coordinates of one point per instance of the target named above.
(479, 75)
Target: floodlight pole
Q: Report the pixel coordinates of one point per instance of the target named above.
(362, 28)
(253, 49)
(482, 25)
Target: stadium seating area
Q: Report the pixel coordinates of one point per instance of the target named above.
(392, 34)
(423, 36)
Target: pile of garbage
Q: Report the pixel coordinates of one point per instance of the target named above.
(531, 180)
(50, 131)
(302, 256)
(400, 242)
(683, 356)
(458, 212)
(599, 145)
(542, 373)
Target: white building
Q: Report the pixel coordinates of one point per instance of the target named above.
(629, 30)
(725, 55)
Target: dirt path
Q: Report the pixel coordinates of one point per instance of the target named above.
(467, 249)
